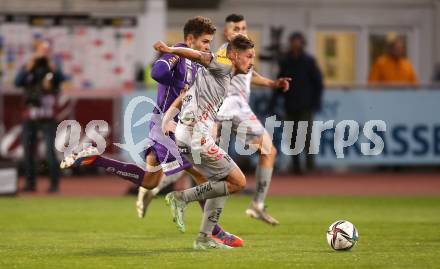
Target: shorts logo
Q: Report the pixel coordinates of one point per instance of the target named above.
(219, 156)
(187, 98)
(166, 167)
(213, 149)
(184, 150)
(110, 169)
(215, 152)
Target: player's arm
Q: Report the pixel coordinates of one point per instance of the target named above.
(259, 80)
(168, 124)
(194, 55)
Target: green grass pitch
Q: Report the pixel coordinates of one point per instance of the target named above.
(395, 232)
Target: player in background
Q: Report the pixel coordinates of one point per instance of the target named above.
(174, 74)
(236, 110)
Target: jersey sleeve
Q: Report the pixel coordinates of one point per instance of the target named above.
(169, 59)
(162, 68)
(218, 69)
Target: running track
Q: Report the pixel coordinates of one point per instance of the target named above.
(316, 184)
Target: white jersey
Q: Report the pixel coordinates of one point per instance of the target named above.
(204, 98)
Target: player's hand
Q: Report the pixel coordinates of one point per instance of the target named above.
(169, 127)
(282, 83)
(161, 47)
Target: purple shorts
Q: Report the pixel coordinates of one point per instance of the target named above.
(167, 153)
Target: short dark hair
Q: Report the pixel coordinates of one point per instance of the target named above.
(234, 18)
(240, 42)
(297, 36)
(198, 26)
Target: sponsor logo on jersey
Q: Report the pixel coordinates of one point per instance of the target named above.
(173, 60)
(166, 167)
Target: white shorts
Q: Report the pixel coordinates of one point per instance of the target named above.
(238, 111)
(198, 146)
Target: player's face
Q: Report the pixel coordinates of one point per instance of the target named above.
(234, 28)
(201, 43)
(243, 60)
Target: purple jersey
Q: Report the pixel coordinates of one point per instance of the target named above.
(173, 73)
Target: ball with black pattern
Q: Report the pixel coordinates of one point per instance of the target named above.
(342, 235)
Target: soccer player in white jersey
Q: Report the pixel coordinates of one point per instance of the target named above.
(236, 110)
(193, 135)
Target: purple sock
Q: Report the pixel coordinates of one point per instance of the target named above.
(217, 227)
(127, 171)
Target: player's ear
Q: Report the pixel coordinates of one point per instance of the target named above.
(190, 39)
(235, 52)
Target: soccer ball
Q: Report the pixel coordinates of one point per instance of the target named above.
(342, 235)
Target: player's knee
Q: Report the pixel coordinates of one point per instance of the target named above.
(149, 182)
(236, 187)
(241, 181)
(270, 156)
(148, 185)
(274, 151)
(236, 181)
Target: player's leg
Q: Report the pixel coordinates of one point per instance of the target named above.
(263, 177)
(310, 158)
(211, 235)
(296, 160)
(29, 141)
(145, 196)
(171, 168)
(217, 231)
(91, 156)
(212, 212)
(223, 174)
(148, 178)
(252, 133)
(49, 128)
(211, 215)
(232, 183)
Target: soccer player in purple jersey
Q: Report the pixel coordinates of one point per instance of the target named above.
(174, 74)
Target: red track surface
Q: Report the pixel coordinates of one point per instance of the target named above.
(317, 184)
